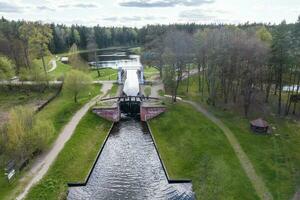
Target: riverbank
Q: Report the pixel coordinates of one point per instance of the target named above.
(74, 161)
(275, 157)
(59, 112)
(193, 147)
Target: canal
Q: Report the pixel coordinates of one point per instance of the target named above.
(129, 168)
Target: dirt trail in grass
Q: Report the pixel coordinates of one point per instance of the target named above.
(257, 182)
(297, 195)
(42, 164)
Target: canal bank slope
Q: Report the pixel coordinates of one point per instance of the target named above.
(194, 147)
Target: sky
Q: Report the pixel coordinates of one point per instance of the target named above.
(137, 13)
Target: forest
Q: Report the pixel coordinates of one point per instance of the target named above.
(235, 63)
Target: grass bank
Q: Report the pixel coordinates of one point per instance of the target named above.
(60, 71)
(59, 112)
(105, 74)
(276, 157)
(74, 161)
(193, 147)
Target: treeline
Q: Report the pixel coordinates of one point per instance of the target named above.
(234, 64)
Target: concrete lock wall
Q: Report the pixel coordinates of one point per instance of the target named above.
(151, 112)
(111, 114)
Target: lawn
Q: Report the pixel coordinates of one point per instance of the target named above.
(60, 70)
(276, 157)
(59, 112)
(193, 147)
(105, 74)
(150, 72)
(74, 161)
(9, 99)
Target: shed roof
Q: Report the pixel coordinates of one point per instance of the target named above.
(259, 123)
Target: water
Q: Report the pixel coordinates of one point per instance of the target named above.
(129, 168)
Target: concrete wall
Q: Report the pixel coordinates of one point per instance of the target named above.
(149, 112)
(112, 113)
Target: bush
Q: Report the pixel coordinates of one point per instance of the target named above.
(25, 134)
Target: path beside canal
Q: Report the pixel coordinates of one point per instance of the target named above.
(42, 164)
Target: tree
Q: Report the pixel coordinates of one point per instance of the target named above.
(26, 32)
(179, 45)
(25, 134)
(40, 41)
(6, 68)
(280, 57)
(77, 82)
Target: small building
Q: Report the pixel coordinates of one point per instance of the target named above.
(259, 125)
(64, 60)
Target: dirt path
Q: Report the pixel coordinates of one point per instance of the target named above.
(257, 182)
(297, 195)
(53, 65)
(42, 164)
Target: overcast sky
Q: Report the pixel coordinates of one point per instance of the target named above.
(142, 12)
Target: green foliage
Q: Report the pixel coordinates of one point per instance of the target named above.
(74, 161)
(147, 91)
(34, 73)
(6, 68)
(264, 35)
(193, 147)
(77, 82)
(25, 134)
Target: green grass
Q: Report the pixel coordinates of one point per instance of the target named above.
(113, 91)
(9, 99)
(276, 157)
(150, 72)
(60, 70)
(105, 74)
(74, 161)
(193, 147)
(59, 112)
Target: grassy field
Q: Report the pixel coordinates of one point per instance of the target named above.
(150, 72)
(74, 161)
(276, 157)
(9, 99)
(59, 112)
(60, 70)
(193, 147)
(105, 74)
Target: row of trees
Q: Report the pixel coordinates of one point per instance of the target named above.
(234, 64)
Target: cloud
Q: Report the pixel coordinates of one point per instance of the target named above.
(110, 18)
(196, 15)
(82, 5)
(9, 8)
(45, 8)
(132, 18)
(163, 3)
(79, 5)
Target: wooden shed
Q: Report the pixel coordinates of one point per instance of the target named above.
(259, 125)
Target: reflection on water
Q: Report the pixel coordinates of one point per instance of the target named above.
(129, 168)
